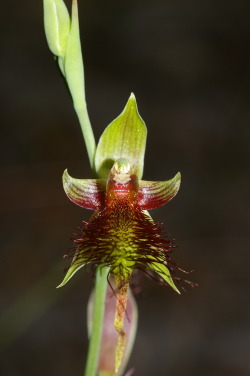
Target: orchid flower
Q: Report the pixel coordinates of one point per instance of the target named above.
(121, 234)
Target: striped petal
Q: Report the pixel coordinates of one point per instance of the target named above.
(87, 193)
(153, 194)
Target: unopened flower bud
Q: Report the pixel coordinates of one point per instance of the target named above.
(57, 26)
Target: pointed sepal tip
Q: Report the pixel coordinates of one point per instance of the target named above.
(124, 137)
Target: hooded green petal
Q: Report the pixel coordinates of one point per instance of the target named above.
(125, 137)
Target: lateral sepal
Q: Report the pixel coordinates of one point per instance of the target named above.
(87, 193)
(153, 194)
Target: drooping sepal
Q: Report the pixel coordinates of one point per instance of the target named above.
(163, 271)
(153, 194)
(75, 266)
(87, 193)
(125, 137)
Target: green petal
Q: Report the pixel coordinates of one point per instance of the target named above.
(87, 193)
(72, 270)
(153, 194)
(125, 137)
(163, 272)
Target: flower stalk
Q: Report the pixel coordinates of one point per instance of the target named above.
(63, 37)
(97, 317)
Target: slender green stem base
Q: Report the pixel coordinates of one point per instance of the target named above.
(88, 134)
(96, 334)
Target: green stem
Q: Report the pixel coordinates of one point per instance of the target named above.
(87, 132)
(96, 334)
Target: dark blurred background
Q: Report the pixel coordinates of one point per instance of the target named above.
(188, 64)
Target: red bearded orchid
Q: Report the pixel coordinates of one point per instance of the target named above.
(121, 234)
